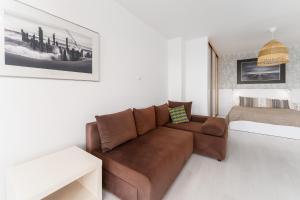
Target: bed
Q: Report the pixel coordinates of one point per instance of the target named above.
(268, 121)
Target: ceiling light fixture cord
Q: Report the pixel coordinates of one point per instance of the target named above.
(272, 30)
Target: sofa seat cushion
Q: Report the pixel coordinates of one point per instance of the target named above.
(151, 162)
(214, 126)
(189, 126)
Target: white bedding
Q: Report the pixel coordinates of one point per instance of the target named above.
(266, 129)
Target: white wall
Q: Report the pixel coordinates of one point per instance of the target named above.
(188, 72)
(295, 96)
(197, 74)
(225, 101)
(175, 69)
(39, 116)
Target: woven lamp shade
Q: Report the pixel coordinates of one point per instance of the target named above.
(273, 53)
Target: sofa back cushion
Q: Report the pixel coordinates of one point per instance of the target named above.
(214, 126)
(187, 107)
(115, 129)
(162, 114)
(144, 119)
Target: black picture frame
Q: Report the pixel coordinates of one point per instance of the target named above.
(38, 44)
(249, 73)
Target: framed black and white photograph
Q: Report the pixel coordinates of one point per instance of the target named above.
(41, 45)
(249, 73)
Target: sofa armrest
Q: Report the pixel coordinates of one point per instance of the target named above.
(214, 126)
(199, 118)
(93, 141)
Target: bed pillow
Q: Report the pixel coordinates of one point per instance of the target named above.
(248, 102)
(277, 103)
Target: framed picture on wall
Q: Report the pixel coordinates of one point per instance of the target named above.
(40, 45)
(249, 73)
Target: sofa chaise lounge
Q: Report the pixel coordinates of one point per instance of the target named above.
(143, 152)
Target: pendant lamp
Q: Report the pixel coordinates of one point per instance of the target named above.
(273, 53)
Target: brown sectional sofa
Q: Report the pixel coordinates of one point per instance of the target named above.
(145, 164)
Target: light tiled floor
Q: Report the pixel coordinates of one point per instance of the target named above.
(257, 167)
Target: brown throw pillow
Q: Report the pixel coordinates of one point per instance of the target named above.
(144, 119)
(214, 126)
(162, 114)
(115, 129)
(187, 107)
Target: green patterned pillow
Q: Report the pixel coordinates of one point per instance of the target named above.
(178, 115)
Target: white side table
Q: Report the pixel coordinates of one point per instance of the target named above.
(71, 174)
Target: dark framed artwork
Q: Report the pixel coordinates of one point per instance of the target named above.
(249, 73)
(38, 44)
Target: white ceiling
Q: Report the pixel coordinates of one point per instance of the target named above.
(231, 25)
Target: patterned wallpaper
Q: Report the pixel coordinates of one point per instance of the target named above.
(228, 71)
